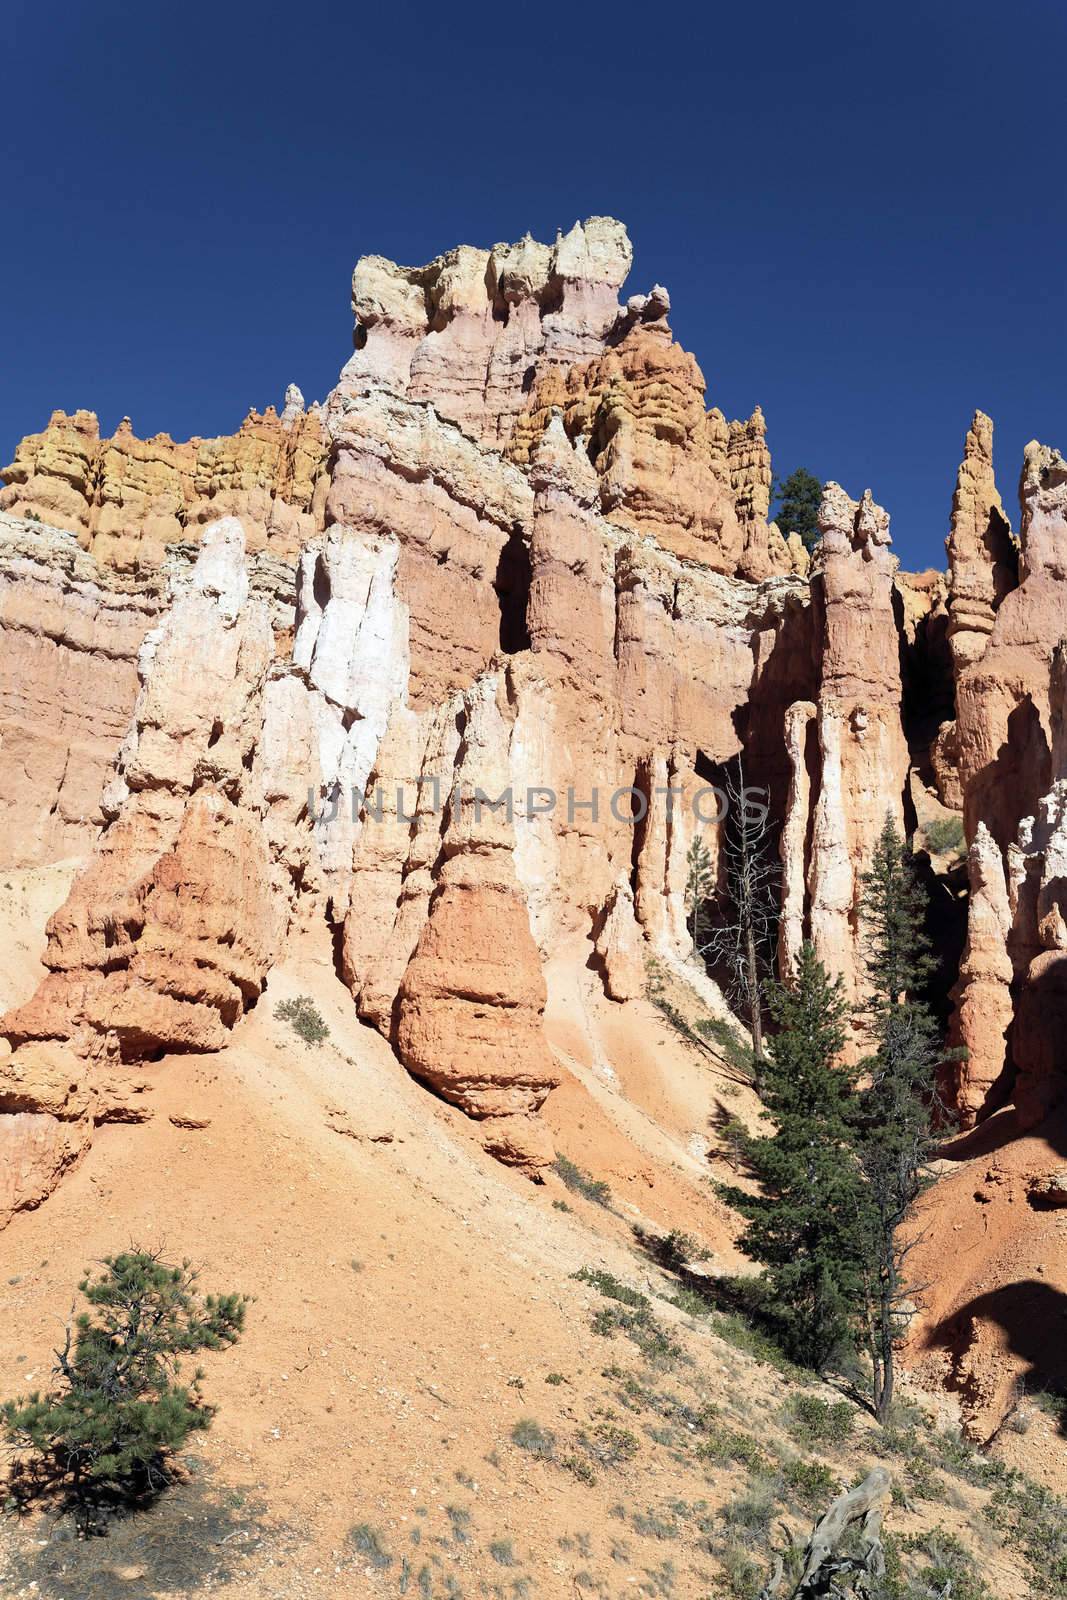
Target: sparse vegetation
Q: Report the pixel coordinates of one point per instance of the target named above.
(722, 1037)
(580, 1182)
(123, 1405)
(943, 835)
(724, 1444)
(611, 1445)
(535, 1440)
(1034, 1520)
(304, 1018)
(809, 1482)
(611, 1287)
(368, 1541)
(812, 1421)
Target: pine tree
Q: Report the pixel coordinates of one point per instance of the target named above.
(799, 497)
(893, 1112)
(802, 1223)
(120, 1407)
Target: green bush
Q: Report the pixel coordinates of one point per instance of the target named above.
(723, 1038)
(121, 1407)
(1033, 1519)
(943, 835)
(750, 1515)
(612, 1445)
(304, 1018)
(724, 1444)
(812, 1421)
(612, 1287)
(939, 1565)
(580, 1182)
(810, 1482)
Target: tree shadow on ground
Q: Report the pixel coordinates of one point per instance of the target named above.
(191, 1536)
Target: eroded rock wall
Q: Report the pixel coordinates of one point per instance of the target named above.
(127, 498)
(490, 620)
(1012, 764)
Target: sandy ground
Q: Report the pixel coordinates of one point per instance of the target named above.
(413, 1302)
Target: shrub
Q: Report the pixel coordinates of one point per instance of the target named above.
(368, 1541)
(725, 1444)
(749, 1516)
(641, 1327)
(502, 1552)
(944, 834)
(738, 1331)
(1034, 1519)
(304, 1018)
(120, 1410)
(742, 1577)
(582, 1469)
(812, 1421)
(531, 1437)
(580, 1182)
(944, 1567)
(811, 1482)
(612, 1445)
(612, 1287)
(737, 1053)
(653, 1526)
(674, 1250)
(922, 1480)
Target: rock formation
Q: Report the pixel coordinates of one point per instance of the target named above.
(127, 499)
(1012, 761)
(983, 559)
(453, 664)
(847, 751)
(470, 331)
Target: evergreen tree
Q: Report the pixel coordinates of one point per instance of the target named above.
(802, 1223)
(120, 1407)
(893, 1112)
(799, 496)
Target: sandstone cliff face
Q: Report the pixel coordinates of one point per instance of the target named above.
(455, 678)
(70, 631)
(469, 331)
(127, 498)
(1011, 764)
(847, 749)
(983, 559)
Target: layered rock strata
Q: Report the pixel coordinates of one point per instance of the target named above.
(460, 682)
(127, 498)
(1012, 765)
(847, 748)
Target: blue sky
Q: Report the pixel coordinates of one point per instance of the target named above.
(858, 210)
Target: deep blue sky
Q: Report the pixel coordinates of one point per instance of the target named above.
(859, 210)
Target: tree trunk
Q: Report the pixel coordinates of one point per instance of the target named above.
(754, 993)
(866, 1504)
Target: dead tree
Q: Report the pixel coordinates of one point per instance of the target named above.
(824, 1571)
(743, 942)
